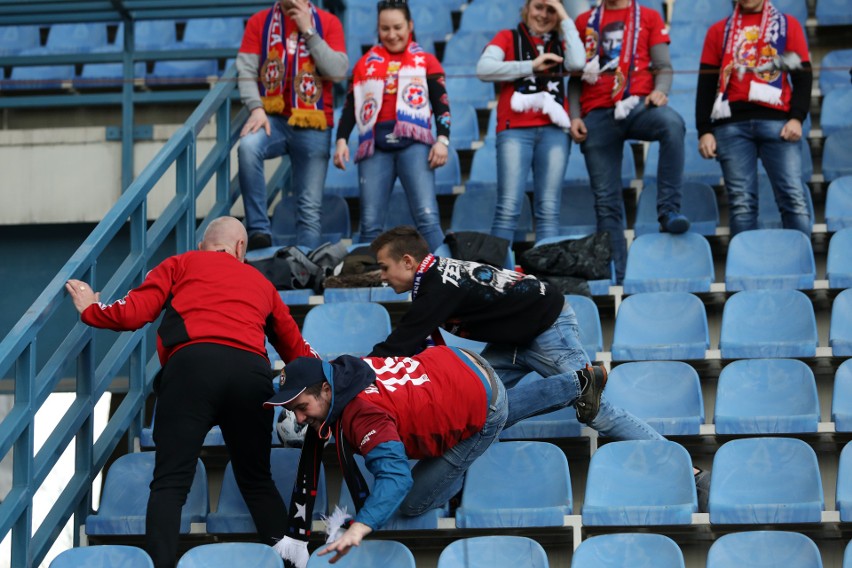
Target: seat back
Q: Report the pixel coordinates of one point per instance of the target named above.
(834, 70)
(103, 556)
(369, 554)
(464, 48)
(463, 86)
(841, 399)
(490, 17)
(768, 323)
(502, 551)
(840, 332)
(770, 259)
(222, 554)
(560, 423)
(665, 394)
(213, 32)
(695, 167)
(662, 262)
(700, 12)
(833, 115)
(577, 216)
(765, 480)
(79, 37)
(843, 495)
(637, 550)
(698, 203)
(334, 224)
(346, 328)
(764, 549)
(14, 39)
(766, 396)
(640, 482)
(660, 326)
(465, 125)
(838, 204)
(835, 155)
(589, 320)
(490, 497)
(833, 12)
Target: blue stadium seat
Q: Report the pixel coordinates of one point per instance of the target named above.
(687, 41)
(232, 514)
(768, 214)
(695, 168)
(660, 326)
(124, 499)
(841, 399)
(448, 176)
(489, 17)
(698, 203)
(840, 334)
(640, 483)
(182, 72)
(577, 217)
(665, 394)
(333, 295)
(596, 287)
(657, 5)
(152, 34)
(766, 396)
(685, 67)
(576, 174)
(764, 549)
(834, 12)
(490, 498)
(103, 556)
(334, 220)
(222, 554)
(768, 323)
(847, 556)
(844, 484)
(483, 169)
(796, 8)
(508, 263)
(835, 115)
(778, 259)
(343, 182)
(838, 204)
(463, 50)
(662, 262)
(589, 320)
(836, 161)
(346, 328)
(463, 86)
(473, 210)
(426, 521)
(398, 211)
(560, 423)
(38, 77)
(834, 70)
(637, 550)
(106, 74)
(76, 38)
(14, 39)
(680, 99)
(369, 554)
(765, 480)
(213, 32)
(700, 12)
(432, 24)
(465, 125)
(504, 551)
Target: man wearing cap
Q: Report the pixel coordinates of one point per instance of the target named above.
(217, 310)
(443, 407)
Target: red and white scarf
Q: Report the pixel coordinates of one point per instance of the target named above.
(765, 88)
(624, 101)
(286, 60)
(413, 110)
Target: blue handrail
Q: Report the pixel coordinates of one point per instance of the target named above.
(130, 362)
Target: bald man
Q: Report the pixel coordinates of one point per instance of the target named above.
(214, 371)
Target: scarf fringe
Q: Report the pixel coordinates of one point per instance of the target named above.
(414, 131)
(721, 108)
(625, 106)
(334, 524)
(273, 104)
(544, 103)
(365, 149)
(765, 93)
(303, 118)
(592, 70)
(293, 551)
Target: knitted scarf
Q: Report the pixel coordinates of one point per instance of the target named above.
(413, 111)
(544, 93)
(624, 101)
(771, 40)
(286, 60)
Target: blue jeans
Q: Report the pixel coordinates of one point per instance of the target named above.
(376, 176)
(556, 354)
(738, 145)
(603, 150)
(545, 149)
(309, 151)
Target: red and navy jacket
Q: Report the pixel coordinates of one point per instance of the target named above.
(207, 297)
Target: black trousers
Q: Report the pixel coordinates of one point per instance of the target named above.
(203, 385)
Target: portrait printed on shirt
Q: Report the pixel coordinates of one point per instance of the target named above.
(613, 39)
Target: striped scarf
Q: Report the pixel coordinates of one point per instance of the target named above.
(543, 92)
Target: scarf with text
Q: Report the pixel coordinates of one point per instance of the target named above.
(287, 61)
(763, 46)
(413, 110)
(541, 92)
(624, 101)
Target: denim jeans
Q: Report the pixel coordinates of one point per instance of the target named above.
(556, 354)
(603, 150)
(309, 151)
(738, 145)
(376, 176)
(545, 149)
(438, 479)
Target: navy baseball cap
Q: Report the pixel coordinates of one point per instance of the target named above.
(298, 375)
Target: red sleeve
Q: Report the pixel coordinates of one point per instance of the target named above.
(367, 425)
(251, 36)
(503, 40)
(332, 31)
(141, 305)
(653, 22)
(713, 48)
(433, 66)
(284, 334)
(796, 40)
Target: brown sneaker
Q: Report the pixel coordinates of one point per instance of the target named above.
(589, 401)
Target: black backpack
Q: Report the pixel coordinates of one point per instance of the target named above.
(290, 269)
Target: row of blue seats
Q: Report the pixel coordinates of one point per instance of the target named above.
(762, 480)
(758, 549)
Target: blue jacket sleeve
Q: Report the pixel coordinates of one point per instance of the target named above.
(389, 466)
